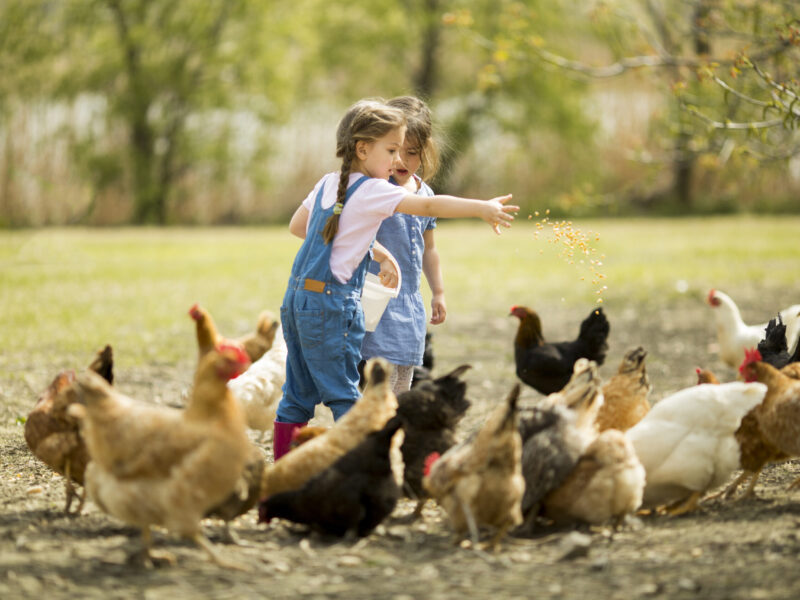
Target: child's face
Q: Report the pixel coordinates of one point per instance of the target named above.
(380, 157)
(410, 161)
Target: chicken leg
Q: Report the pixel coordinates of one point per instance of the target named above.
(729, 491)
(685, 506)
(206, 545)
(794, 484)
(146, 557)
(71, 493)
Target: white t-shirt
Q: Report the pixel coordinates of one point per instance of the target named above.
(370, 204)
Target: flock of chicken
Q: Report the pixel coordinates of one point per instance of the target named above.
(587, 451)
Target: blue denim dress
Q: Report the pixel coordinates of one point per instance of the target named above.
(400, 334)
(323, 326)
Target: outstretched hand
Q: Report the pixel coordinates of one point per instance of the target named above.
(499, 213)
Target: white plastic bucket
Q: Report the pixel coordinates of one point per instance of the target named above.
(374, 298)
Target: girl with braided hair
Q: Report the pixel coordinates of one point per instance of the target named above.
(321, 315)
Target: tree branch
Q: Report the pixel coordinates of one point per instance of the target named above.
(747, 125)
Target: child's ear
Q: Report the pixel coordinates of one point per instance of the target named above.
(361, 149)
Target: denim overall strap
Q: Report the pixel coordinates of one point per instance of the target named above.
(313, 259)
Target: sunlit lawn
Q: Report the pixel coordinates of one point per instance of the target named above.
(69, 291)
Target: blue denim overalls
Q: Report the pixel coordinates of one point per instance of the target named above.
(323, 325)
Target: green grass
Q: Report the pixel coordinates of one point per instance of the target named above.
(69, 291)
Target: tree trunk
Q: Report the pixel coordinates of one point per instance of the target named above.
(425, 77)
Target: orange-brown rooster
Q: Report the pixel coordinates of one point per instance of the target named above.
(53, 436)
(154, 465)
(625, 394)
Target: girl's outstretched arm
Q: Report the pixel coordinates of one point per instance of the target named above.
(495, 211)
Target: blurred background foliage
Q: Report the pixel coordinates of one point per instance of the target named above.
(224, 111)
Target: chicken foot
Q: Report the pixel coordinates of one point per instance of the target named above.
(794, 484)
(684, 506)
(730, 490)
(412, 516)
(229, 536)
(494, 543)
(474, 532)
(751, 488)
(206, 545)
(471, 524)
(146, 556)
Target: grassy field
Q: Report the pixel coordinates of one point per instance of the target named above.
(65, 293)
(71, 290)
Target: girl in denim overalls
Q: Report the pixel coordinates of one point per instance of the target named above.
(323, 323)
(400, 334)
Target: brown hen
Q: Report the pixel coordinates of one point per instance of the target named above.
(53, 436)
(625, 394)
(606, 484)
(479, 482)
(778, 415)
(154, 465)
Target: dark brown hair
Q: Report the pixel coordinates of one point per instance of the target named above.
(420, 127)
(366, 120)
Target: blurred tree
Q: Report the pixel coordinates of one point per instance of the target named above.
(171, 75)
(428, 48)
(27, 37)
(685, 45)
(156, 63)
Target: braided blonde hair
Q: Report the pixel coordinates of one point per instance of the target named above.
(420, 128)
(366, 120)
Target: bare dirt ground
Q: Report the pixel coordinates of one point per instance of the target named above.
(726, 550)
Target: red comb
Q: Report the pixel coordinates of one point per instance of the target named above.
(750, 356)
(241, 355)
(429, 461)
(698, 370)
(711, 295)
(194, 312)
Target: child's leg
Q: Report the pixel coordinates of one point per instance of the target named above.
(400, 379)
(300, 396)
(335, 371)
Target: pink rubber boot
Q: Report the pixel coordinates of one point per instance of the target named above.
(282, 437)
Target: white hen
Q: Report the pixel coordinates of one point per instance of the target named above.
(686, 442)
(734, 335)
(259, 388)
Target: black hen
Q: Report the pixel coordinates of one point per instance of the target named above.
(354, 494)
(547, 366)
(424, 372)
(773, 347)
(430, 412)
